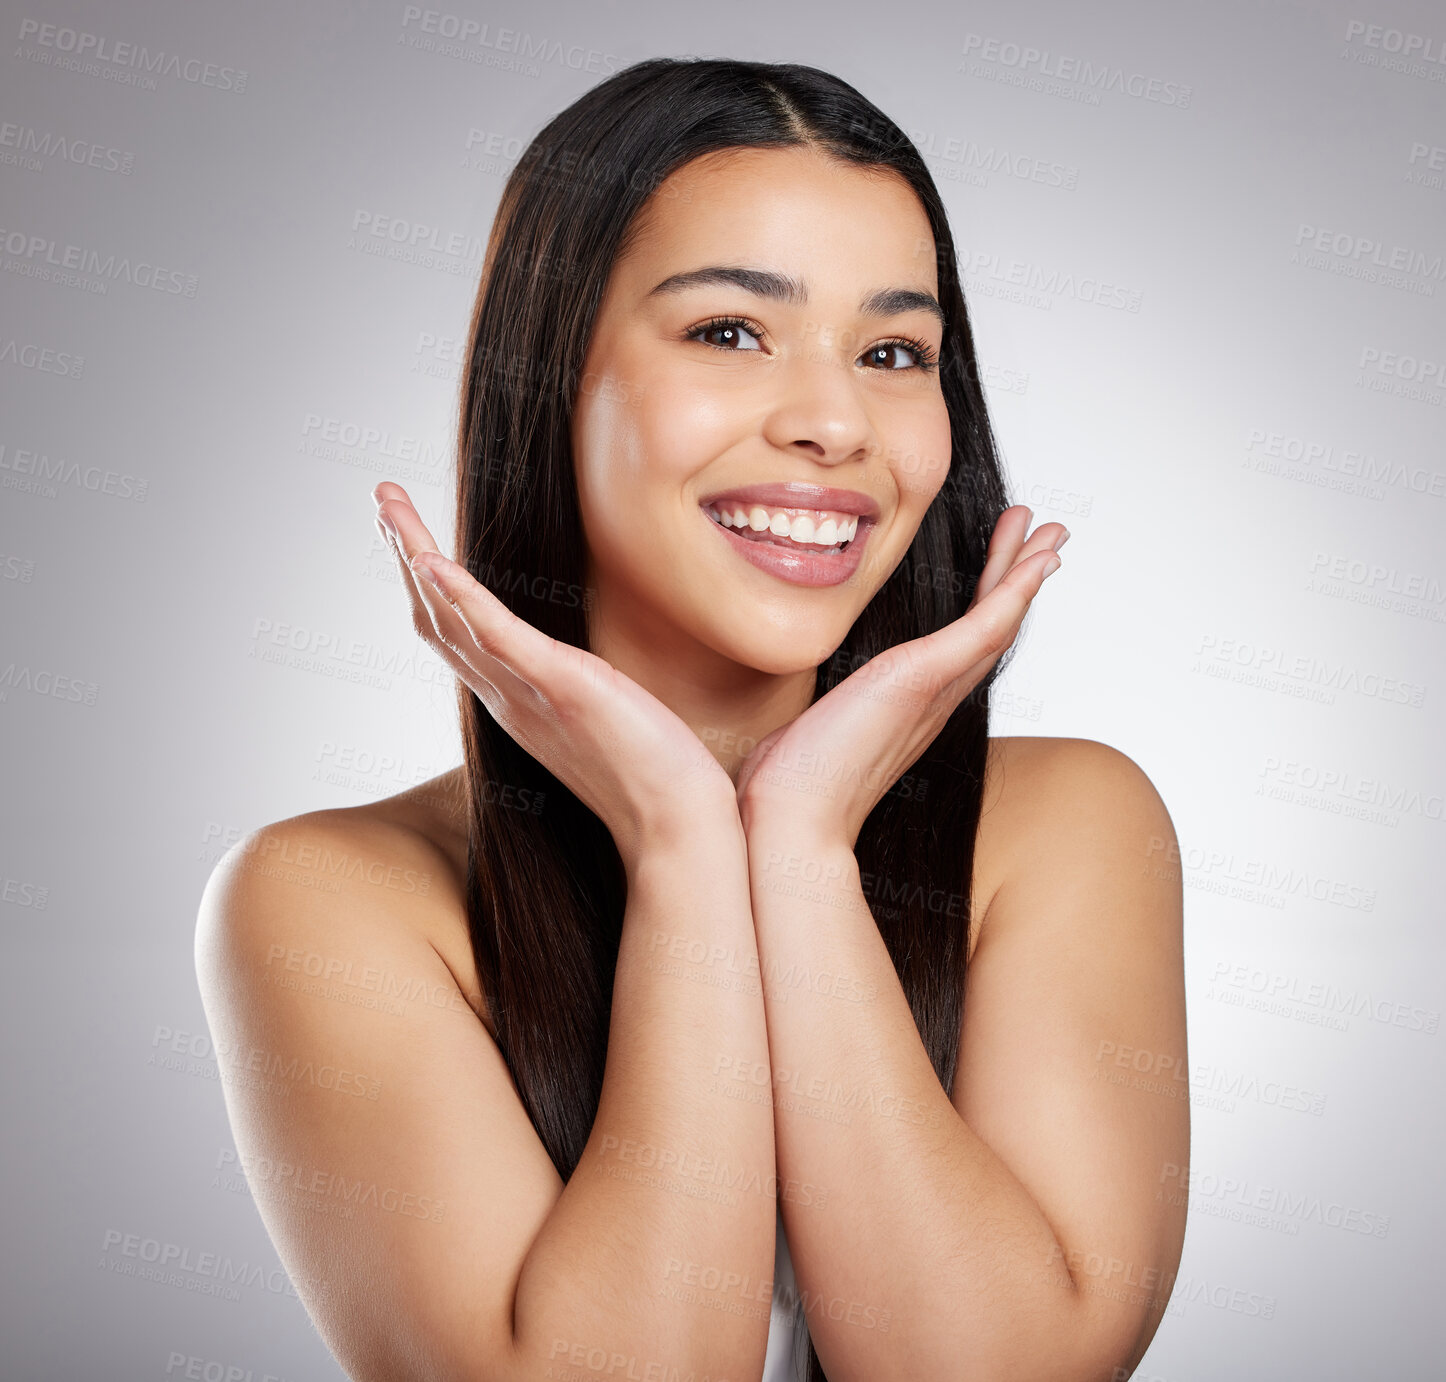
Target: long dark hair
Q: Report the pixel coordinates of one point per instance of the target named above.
(546, 888)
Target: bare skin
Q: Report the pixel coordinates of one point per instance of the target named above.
(981, 1218)
(427, 825)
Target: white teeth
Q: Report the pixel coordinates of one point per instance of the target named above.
(800, 528)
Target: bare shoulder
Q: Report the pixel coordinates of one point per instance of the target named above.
(331, 954)
(398, 862)
(1079, 972)
(1035, 760)
(1046, 798)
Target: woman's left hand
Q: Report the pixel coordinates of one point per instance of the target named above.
(823, 772)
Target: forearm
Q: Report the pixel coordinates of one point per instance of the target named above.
(927, 1231)
(674, 1182)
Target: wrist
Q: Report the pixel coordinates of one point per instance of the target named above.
(705, 835)
(811, 851)
(804, 873)
(791, 820)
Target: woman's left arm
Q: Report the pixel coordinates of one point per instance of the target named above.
(1030, 1228)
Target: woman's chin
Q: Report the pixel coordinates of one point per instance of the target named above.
(785, 652)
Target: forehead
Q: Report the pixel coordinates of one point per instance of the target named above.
(833, 224)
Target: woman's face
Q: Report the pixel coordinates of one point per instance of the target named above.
(810, 416)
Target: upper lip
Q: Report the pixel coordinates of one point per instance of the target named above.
(794, 494)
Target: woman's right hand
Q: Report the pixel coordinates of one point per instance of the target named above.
(620, 750)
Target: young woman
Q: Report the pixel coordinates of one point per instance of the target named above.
(736, 956)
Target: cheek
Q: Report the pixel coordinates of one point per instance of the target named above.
(603, 439)
(645, 441)
(610, 455)
(684, 423)
(921, 461)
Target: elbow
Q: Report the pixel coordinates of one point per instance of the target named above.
(555, 1350)
(1109, 1347)
(1083, 1343)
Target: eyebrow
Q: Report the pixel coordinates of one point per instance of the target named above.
(882, 302)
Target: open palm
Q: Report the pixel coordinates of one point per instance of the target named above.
(826, 770)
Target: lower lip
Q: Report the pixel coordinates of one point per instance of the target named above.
(800, 566)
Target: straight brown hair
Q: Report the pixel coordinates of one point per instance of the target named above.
(546, 889)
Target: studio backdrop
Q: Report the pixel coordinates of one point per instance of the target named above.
(1202, 246)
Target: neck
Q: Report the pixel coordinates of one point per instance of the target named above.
(727, 704)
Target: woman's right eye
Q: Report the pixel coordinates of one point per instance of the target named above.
(730, 330)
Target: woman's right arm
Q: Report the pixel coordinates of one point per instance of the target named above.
(422, 1222)
(675, 1184)
(510, 1274)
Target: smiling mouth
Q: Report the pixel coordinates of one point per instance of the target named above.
(819, 532)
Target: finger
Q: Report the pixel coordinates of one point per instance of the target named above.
(411, 538)
(934, 666)
(395, 509)
(435, 615)
(406, 535)
(498, 633)
(1010, 545)
(992, 624)
(1014, 572)
(1005, 541)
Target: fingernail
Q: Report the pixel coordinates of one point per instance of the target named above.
(428, 573)
(387, 523)
(1052, 565)
(1061, 540)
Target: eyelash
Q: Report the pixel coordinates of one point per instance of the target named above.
(926, 357)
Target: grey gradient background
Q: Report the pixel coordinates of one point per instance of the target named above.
(201, 633)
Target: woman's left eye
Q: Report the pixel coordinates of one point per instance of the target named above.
(728, 326)
(919, 358)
